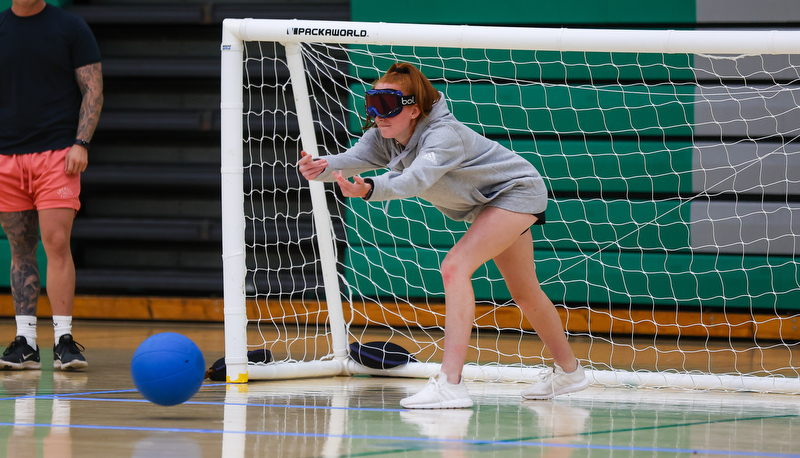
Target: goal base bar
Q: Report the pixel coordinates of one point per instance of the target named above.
(498, 373)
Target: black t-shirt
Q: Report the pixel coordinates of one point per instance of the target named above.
(39, 97)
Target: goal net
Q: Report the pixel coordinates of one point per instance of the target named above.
(672, 160)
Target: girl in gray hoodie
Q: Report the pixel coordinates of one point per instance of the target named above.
(430, 154)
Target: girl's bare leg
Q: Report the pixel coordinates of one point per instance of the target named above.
(494, 231)
(516, 266)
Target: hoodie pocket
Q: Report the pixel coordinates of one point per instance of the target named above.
(484, 198)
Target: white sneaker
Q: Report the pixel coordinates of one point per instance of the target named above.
(438, 393)
(557, 382)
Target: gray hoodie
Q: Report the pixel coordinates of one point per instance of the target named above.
(447, 164)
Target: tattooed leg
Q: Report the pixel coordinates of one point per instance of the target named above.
(22, 230)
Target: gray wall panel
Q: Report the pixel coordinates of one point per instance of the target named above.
(746, 111)
(747, 168)
(766, 68)
(745, 227)
(751, 11)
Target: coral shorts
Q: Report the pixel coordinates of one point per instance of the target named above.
(37, 181)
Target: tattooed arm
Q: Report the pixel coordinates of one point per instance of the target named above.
(90, 81)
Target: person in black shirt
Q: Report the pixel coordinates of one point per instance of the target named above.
(51, 94)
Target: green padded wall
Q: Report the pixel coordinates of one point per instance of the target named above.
(564, 109)
(594, 248)
(527, 12)
(659, 163)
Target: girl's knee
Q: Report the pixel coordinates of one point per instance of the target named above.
(453, 269)
(448, 271)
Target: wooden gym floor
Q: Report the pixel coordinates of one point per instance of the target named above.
(98, 413)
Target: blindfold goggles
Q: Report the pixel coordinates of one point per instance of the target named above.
(385, 103)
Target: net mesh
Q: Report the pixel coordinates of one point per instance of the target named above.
(674, 213)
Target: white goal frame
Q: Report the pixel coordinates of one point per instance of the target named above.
(290, 33)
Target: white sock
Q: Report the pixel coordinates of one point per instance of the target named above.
(62, 325)
(26, 327)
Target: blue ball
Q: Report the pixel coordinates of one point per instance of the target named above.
(168, 369)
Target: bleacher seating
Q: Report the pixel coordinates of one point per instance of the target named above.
(150, 222)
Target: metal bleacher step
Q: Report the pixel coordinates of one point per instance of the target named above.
(161, 67)
(150, 218)
(146, 229)
(160, 120)
(144, 13)
(169, 281)
(208, 13)
(179, 175)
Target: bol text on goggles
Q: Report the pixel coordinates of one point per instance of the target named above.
(385, 103)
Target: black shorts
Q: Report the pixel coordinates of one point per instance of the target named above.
(540, 219)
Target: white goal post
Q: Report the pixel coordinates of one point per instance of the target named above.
(672, 233)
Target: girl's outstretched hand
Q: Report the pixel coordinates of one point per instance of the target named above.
(310, 167)
(356, 188)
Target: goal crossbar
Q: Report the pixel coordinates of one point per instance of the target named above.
(516, 38)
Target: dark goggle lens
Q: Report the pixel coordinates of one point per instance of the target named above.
(385, 103)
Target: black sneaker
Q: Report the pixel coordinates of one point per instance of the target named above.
(67, 354)
(19, 355)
